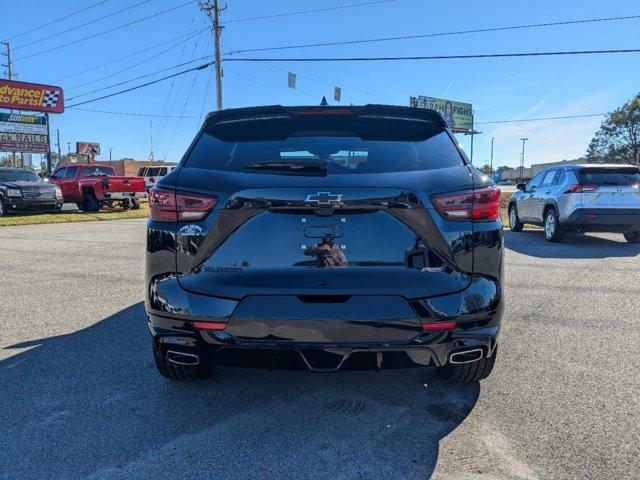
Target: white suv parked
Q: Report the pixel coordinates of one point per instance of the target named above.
(154, 173)
(585, 198)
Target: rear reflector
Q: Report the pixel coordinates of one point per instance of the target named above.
(438, 326)
(169, 206)
(210, 325)
(582, 187)
(479, 204)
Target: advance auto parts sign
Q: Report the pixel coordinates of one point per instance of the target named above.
(23, 142)
(16, 123)
(31, 96)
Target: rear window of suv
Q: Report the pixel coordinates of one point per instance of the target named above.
(152, 171)
(379, 145)
(617, 176)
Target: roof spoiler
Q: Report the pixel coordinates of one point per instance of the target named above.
(394, 111)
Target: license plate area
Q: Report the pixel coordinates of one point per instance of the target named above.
(360, 319)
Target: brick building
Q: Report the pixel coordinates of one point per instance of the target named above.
(128, 167)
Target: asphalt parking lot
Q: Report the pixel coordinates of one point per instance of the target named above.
(80, 397)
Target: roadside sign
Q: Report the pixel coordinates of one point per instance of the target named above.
(31, 96)
(23, 142)
(11, 127)
(87, 148)
(20, 118)
(458, 115)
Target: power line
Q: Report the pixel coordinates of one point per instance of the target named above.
(440, 34)
(57, 20)
(304, 12)
(141, 62)
(132, 114)
(190, 35)
(136, 78)
(81, 26)
(431, 57)
(162, 126)
(104, 32)
(199, 67)
(346, 89)
(541, 118)
(523, 120)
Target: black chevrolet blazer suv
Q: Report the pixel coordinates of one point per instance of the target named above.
(324, 238)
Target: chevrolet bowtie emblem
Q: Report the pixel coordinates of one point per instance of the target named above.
(324, 198)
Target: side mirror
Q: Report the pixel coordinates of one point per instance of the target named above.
(522, 186)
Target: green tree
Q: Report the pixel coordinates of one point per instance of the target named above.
(618, 139)
(486, 169)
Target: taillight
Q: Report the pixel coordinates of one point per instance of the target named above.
(152, 180)
(582, 187)
(438, 326)
(168, 206)
(479, 205)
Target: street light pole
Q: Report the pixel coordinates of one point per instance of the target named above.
(522, 159)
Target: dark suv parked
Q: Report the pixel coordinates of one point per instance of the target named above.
(22, 191)
(324, 238)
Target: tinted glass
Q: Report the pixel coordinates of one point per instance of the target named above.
(548, 178)
(71, 172)
(58, 174)
(561, 178)
(152, 171)
(18, 175)
(97, 171)
(339, 151)
(623, 176)
(537, 180)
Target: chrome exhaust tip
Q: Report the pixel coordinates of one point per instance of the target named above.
(181, 358)
(466, 356)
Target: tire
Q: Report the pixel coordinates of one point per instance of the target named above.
(90, 203)
(632, 237)
(552, 230)
(180, 372)
(3, 208)
(469, 372)
(514, 222)
(126, 204)
(135, 204)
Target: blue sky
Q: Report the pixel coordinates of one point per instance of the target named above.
(499, 89)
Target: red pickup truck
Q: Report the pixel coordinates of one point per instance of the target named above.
(93, 186)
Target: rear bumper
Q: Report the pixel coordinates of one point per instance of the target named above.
(604, 220)
(332, 341)
(33, 205)
(124, 195)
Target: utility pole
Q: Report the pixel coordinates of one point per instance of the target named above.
(491, 163)
(58, 144)
(9, 66)
(110, 148)
(68, 148)
(207, 8)
(522, 159)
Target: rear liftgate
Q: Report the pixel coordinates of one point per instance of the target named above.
(323, 272)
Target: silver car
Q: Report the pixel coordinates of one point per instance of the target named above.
(582, 198)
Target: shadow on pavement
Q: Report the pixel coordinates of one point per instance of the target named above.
(574, 245)
(90, 404)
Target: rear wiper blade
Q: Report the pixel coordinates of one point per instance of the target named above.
(302, 168)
